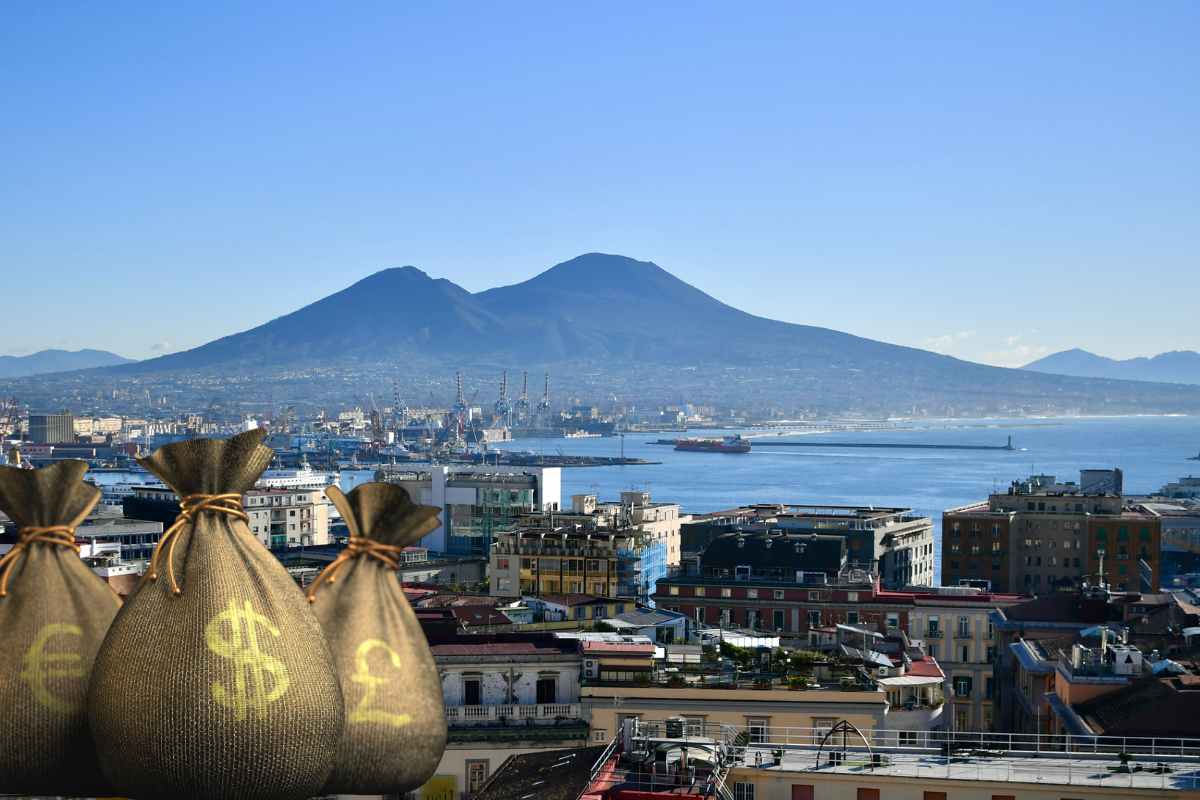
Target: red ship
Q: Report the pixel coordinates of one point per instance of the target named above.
(730, 444)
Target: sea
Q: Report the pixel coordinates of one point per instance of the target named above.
(1151, 451)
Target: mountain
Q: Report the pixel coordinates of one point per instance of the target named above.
(389, 314)
(45, 361)
(1176, 366)
(632, 329)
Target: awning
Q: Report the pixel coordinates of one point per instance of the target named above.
(909, 680)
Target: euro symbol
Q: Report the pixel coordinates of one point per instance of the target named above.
(38, 666)
(362, 674)
(258, 678)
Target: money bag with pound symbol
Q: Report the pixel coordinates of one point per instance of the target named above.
(54, 612)
(215, 682)
(395, 730)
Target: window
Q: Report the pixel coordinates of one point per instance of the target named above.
(852, 597)
(867, 794)
(822, 726)
(599, 735)
(893, 620)
(908, 738)
(934, 796)
(477, 774)
(743, 791)
(962, 685)
(852, 617)
(964, 628)
(752, 594)
(757, 728)
(814, 619)
(966, 653)
(698, 591)
(694, 726)
(471, 692)
(988, 688)
(778, 594)
(802, 791)
(698, 613)
(547, 689)
(777, 619)
(933, 628)
(726, 592)
(962, 718)
(674, 590)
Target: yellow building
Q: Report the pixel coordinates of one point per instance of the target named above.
(763, 713)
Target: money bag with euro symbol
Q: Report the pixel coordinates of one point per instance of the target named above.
(214, 681)
(395, 730)
(54, 613)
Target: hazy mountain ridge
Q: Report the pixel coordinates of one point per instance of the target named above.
(630, 327)
(53, 360)
(1175, 366)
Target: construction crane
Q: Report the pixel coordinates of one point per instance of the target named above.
(502, 411)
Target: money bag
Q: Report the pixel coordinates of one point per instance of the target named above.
(54, 612)
(214, 681)
(395, 730)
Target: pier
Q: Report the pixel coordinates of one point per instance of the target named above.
(1008, 446)
(892, 445)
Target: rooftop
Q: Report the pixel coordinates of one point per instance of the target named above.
(543, 775)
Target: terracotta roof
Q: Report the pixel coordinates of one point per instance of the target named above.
(925, 667)
(494, 649)
(615, 648)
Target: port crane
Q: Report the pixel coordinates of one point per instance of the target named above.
(502, 410)
(522, 406)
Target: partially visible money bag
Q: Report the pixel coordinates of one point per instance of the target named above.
(395, 722)
(214, 682)
(54, 612)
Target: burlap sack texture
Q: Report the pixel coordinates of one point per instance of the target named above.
(395, 722)
(53, 617)
(214, 682)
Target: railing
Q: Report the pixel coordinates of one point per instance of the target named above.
(996, 744)
(1116, 762)
(512, 714)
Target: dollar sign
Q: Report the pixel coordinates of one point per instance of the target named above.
(38, 666)
(362, 675)
(233, 634)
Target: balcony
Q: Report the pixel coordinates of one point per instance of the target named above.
(934, 634)
(512, 714)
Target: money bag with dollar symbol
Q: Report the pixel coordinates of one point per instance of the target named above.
(395, 730)
(214, 682)
(54, 613)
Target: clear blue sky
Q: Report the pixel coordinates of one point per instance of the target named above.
(995, 181)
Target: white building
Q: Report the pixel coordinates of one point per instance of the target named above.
(288, 517)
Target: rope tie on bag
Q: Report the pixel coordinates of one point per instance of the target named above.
(58, 535)
(189, 507)
(389, 554)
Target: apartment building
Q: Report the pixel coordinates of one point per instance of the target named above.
(584, 553)
(894, 543)
(478, 504)
(1041, 536)
(505, 694)
(279, 518)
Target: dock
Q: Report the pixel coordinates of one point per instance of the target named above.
(1008, 446)
(757, 443)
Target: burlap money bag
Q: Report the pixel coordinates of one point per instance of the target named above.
(54, 612)
(214, 682)
(395, 723)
